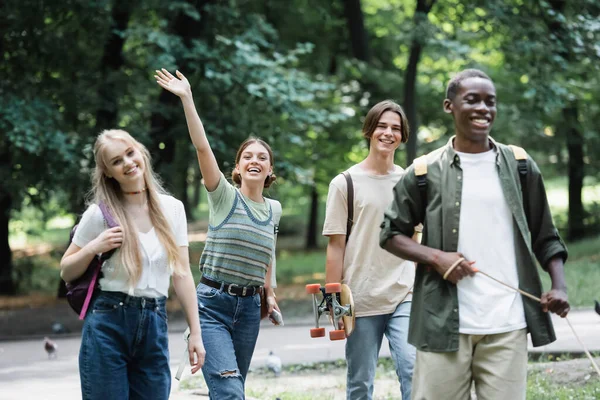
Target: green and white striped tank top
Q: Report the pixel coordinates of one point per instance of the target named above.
(239, 249)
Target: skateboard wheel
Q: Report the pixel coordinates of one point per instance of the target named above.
(333, 287)
(313, 288)
(317, 332)
(337, 335)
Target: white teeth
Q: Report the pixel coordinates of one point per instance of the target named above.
(480, 120)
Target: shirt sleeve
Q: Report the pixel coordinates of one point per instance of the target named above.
(545, 240)
(180, 224)
(90, 227)
(406, 210)
(336, 210)
(220, 201)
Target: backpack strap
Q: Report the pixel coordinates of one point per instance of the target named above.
(521, 157)
(110, 220)
(420, 164)
(350, 189)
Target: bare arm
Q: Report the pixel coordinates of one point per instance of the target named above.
(408, 249)
(206, 158)
(76, 259)
(270, 295)
(556, 300)
(186, 293)
(334, 263)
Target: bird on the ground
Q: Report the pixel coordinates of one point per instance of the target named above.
(50, 347)
(597, 308)
(274, 364)
(58, 328)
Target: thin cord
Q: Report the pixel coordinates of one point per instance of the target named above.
(587, 353)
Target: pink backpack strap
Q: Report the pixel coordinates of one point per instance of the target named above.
(110, 221)
(90, 291)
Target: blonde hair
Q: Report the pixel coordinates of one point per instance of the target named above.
(108, 190)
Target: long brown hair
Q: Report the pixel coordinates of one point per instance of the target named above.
(108, 190)
(375, 114)
(236, 177)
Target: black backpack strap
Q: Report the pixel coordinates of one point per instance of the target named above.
(521, 157)
(350, 188)
(420, 164)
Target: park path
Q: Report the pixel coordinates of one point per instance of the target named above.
(27, 373)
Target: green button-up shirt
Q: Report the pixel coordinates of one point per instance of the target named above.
(434, 322)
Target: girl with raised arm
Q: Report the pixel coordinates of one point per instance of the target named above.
(237, 257)
(124, 347)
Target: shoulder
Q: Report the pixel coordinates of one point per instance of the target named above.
(170, 205)
(91, 222)
(339, 181)
(168, 200)
(275, 205)
(93, 215)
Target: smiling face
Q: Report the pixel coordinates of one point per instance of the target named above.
(254, 163)
(473, 109)
(125, 163)
(387, 135)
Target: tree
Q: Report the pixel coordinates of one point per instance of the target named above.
(410, 78)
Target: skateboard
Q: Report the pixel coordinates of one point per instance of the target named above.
(337, 302)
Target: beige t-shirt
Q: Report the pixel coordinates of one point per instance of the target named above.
(379, 280)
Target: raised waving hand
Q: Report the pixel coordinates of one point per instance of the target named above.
(179, 86)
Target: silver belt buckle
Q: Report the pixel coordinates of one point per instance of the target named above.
(229, 289)
(244, 290)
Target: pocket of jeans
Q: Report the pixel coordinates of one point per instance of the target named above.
(257, 299)
(162, 313)
(206, 291)
(102, 306)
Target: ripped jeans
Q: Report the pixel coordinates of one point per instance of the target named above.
(230, 327)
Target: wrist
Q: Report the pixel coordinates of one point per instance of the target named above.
(187, 98)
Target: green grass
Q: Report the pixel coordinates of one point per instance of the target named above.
(300, 267)
(582, 273)
(542, 381)
(539, 387)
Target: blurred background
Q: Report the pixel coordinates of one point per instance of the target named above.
(299, 73)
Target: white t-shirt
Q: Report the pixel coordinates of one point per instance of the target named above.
(379, 280)
(155, 278)
(486, 237)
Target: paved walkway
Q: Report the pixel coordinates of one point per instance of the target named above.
(26, 372)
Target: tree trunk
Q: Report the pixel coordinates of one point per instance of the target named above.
(197, 187)
(576, 227)
(410, 78)
(7, 285)
(574, 136)
(410, 99)
(164, 141)
(311, 233)
(356, 27)
(112, 61)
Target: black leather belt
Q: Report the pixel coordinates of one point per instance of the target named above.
(232, 289)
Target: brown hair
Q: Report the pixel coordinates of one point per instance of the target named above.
(109, 191)
(236, 177)
(375, 114)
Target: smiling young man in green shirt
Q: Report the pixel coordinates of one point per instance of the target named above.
(468, 327)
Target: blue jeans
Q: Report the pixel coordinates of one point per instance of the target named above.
(230, 327)
(124, 350)
(362, 352)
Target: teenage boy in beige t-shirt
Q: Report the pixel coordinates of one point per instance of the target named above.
(380, 282)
